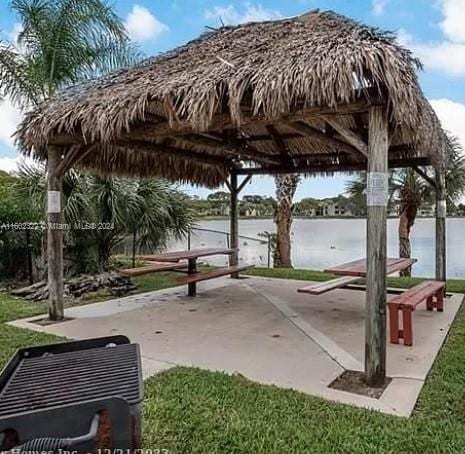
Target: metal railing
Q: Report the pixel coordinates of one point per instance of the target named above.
(266, 241)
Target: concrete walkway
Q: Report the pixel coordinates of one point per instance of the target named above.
(263, 329)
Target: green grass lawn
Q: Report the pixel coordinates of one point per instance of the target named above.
(189, 410)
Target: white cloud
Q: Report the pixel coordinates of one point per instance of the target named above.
(12, 164)
(251, 13)
(12, 35)
(10, 117)
(444, 56)
(452, 116)
(9, 164)
(378, 6)
(453, 25)
(447, 55)
(142, 25)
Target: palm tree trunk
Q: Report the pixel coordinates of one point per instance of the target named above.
(404, 241)
(134, 247)
(286, 186)
(406, 221)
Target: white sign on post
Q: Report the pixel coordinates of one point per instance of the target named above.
(442, 209)
(54, 201)
(377, 189)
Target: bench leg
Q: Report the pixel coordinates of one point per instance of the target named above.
(192, 269)
(429, 303)
(440, 301)
(407, 325)
(394, 323)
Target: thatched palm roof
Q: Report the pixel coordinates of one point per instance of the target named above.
(273, 93)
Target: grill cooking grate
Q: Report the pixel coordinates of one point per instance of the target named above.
(71, 377)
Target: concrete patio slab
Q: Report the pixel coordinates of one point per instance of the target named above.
(263, 329)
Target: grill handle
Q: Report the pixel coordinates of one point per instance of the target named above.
(56, 444)
(87, 437)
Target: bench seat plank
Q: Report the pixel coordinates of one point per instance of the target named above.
(419, 293)
(197, 277)
(327, 286)
(152, 268)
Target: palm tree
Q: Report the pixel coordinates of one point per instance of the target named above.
(409, 191)
(163, 212)
(286, 186)
(103, 212)
(61, 42)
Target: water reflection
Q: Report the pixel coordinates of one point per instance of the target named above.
(320, 243)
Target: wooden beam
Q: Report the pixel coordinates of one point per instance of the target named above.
(223, 120)
(377, 196)
(235, 150)
(441, 214)
(362, 131)
(167, 149)
(54, 235)
(279, 144)
(249, 151)
(351, 167)
(72, 159)
(266, 137)
(234, 224)
(320, 136)
(244, 182)
(348, 135)
(425, 176)
(231, 144)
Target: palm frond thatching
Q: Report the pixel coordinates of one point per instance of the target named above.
(230, 83)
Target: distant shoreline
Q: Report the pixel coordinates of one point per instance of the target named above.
(313, 218)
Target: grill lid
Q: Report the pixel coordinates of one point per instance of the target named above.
(31, 382)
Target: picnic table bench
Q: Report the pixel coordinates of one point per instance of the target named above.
(327, 286)
(432, 292)
(176, 261)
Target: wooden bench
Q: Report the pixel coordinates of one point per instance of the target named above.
(430, 291)
(327, 286)
(152, 268)
(197, 277)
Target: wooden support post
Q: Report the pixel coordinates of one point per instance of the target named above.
(234, 228)
(377, 187)
(54, 235)
(192, 269)
(441, 213)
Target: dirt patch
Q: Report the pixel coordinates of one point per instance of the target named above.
(354, 382)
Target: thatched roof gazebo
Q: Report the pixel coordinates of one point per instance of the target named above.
(311, 94)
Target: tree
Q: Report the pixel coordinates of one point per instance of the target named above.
(61, 42)
(286, 186)
(17, 244)
(307, 206)
(220, 200)
(410, 191)
(102, 212)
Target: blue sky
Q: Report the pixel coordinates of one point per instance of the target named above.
(433, 29)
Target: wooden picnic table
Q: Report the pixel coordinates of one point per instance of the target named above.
(191, 257)
(176, 256)
(353, 272)
(359, 267)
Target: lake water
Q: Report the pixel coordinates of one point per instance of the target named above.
(320, 243)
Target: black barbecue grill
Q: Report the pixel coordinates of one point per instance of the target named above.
(82, 395)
